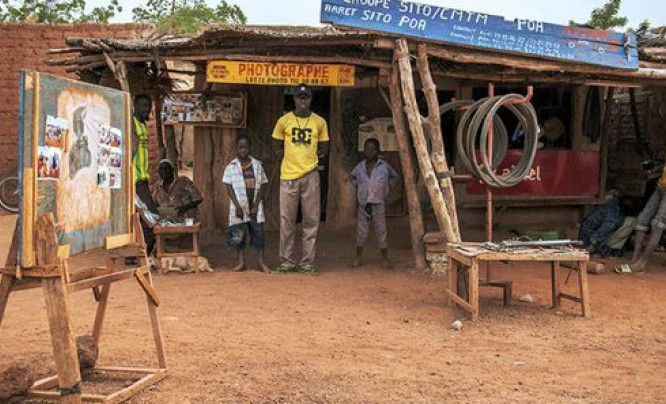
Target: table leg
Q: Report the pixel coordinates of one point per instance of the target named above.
(158, 246)
(474, 289)
(453, 280)
(556, 284)
(195, 243)
(584, 291)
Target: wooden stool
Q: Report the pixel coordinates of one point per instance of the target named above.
(165, 231)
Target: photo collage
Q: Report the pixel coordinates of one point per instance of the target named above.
(110, 157)
(49, 156)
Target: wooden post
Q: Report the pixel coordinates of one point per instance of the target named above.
(433, 124)
(605, 129)
(408, 172)
(341, 198)
(170, 144)
(64, 348)
(414, 119)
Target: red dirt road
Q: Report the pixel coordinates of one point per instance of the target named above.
(368, 336)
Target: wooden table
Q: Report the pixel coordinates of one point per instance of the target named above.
(470, 254)
(165, 231)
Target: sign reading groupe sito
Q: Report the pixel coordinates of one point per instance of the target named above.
(280, 74)
(480, 30)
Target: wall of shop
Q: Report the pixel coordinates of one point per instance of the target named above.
(26, 46)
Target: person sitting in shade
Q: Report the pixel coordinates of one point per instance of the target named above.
(651, 219)
(177, 198)
(245, 178)
(373, 178)
(600, 224)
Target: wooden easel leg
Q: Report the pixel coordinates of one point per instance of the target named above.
(584, 290)
(157, 328)
(64, 348)
(474, 289)
(101, 311)
(6, 284)
(556, 285)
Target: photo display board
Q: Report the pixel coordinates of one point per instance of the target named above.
(74, 161)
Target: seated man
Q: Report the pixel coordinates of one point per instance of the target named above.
(177, 198)
(598, 226)
(652, 218)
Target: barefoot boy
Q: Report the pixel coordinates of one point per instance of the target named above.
(373, 177)
(244, 178)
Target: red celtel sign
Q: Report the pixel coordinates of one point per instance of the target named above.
(554, 173)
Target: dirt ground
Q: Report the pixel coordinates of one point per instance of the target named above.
(367, 335)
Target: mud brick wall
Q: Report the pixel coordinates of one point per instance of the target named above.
(26, 46)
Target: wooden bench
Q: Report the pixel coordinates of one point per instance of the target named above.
(471, 254)
(501, 204)
(164, 231)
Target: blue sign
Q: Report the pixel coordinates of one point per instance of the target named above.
(469, 28)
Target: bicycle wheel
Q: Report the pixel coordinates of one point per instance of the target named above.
(9, 195)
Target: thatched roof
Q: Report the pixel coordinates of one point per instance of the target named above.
(366, 50)
(652, 46)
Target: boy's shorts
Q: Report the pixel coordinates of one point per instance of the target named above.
(238, 234)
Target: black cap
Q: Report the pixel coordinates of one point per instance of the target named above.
(303, 89)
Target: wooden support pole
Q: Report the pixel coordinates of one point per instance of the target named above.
(433, 124)
(416, 127)
(62, 338)
(170, 144)
(604, 140)
(341, 201)
(408, 172)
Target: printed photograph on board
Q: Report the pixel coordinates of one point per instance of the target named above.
(56, 132)
(111, 137)
(49, 163)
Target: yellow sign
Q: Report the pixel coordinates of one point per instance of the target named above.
(280, 74)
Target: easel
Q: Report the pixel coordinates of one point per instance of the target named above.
(52, 273)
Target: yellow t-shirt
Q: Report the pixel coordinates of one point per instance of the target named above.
(301, 136)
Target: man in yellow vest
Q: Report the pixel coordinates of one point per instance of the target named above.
(300, 139)
(140, 162)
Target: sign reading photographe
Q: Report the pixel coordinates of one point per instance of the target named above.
(469, 28)
(280, 74)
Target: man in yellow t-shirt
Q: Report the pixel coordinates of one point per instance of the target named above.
(300, 138)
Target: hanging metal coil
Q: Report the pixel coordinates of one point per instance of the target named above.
(473, 131)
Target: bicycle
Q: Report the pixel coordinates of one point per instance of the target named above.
(9, 193)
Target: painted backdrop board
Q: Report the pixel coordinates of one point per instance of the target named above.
(73, 160)
(472, 29)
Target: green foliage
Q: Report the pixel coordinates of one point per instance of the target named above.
(55, 11)
(187, 16)
(606, 16)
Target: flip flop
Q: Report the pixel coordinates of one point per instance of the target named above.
(625, 269)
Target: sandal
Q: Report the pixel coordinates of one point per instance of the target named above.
(626, 269)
